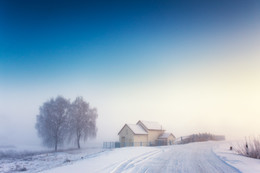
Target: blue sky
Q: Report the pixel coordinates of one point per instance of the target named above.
(150, 60)
(52, 39)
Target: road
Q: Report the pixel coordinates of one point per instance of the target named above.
(189, 158)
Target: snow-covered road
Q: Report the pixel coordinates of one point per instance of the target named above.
(195, 157)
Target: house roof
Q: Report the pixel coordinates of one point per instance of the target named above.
(165, 135)
(150, 125)
(138, 130)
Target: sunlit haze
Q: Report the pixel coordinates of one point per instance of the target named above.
(192, 67)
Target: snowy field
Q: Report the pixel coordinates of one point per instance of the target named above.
(208, 157)
(36, 160)
(243, 164)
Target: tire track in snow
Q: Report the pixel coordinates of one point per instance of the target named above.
(131, 163)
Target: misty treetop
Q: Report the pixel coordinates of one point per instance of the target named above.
(60, 121)
(52, 120)
(82, 121)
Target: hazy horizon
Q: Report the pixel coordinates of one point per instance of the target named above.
(191, 66)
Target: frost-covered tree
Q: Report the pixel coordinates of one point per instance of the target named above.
(52, 122)
(82, 121)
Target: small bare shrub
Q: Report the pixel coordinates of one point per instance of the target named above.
(20, 168)
(67, 160)
(250, 147)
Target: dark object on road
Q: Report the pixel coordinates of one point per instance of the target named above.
(231, 148)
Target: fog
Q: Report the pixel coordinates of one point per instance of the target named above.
(211, 97)
(192, 67)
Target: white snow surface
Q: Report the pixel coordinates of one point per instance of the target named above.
(188, 158)
(13, 160)
(242, 163)
(137, 129)
(203, 157)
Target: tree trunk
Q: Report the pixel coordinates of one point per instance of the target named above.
(78, 141)
(56, 144)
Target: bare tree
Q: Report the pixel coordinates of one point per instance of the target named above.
(52, 121)
(82, 120)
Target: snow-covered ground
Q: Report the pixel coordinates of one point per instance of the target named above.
(18, 159)
(213, 157)
(242, 163)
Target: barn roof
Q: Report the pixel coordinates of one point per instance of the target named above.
(135, 128)
(138, 130)
(165, 135)
(150, 125)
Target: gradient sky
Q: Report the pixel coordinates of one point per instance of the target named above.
(193, 66)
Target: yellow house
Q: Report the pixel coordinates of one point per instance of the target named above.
(144, 133)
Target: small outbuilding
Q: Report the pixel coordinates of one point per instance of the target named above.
(166, 139)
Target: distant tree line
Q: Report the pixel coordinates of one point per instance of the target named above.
(61, 121)
(201, 137)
